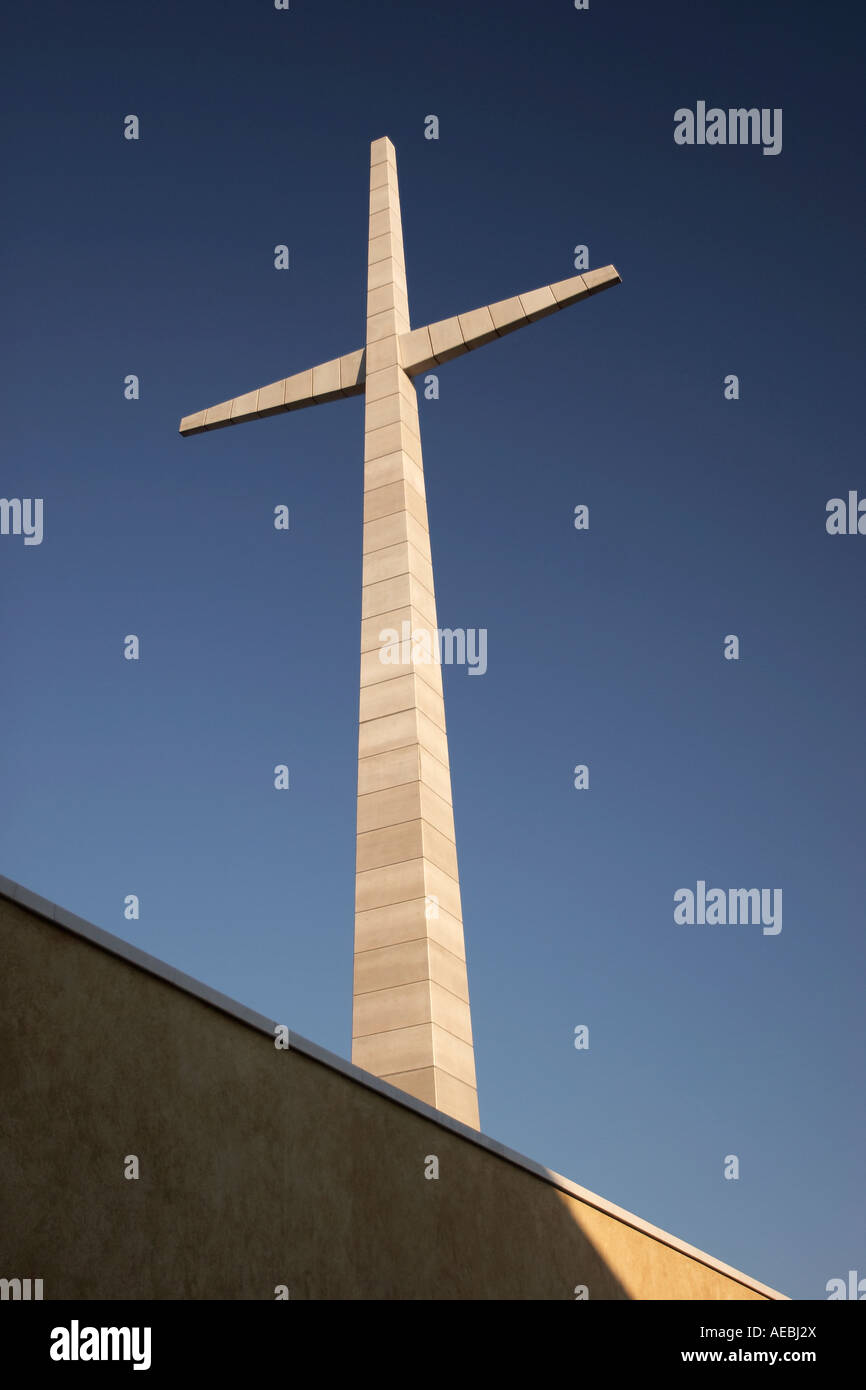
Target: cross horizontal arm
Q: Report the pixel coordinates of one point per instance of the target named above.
(420, 349)
(343, 376)
(424, 348)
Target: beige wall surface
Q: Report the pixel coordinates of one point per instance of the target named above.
(258, 1167)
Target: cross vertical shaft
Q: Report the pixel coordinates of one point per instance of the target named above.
(411, 1019)
(411, 1023)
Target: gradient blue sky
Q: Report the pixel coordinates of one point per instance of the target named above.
(605, 647)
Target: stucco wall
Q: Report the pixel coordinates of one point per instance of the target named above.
(258, 1167)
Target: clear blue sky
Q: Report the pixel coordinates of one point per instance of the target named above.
(605, 647)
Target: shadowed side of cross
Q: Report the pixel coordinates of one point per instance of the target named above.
(411, 1022)
(420, 350)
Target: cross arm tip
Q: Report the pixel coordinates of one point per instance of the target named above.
(192, 424)
(602, 279)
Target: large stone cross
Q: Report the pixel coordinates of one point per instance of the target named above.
(411, 1022)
